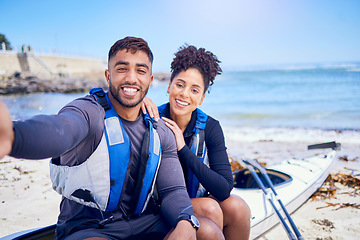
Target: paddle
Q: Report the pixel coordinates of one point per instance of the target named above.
(333, 145)
(261, 185)
(268, 180)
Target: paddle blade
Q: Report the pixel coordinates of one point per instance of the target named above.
(333, 145)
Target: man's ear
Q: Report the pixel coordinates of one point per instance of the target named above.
(151, 80)
(107, 76)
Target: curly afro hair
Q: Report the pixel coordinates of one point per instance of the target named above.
(204, 61)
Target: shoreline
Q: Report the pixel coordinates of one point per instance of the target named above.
(27, 83)
(28, 201)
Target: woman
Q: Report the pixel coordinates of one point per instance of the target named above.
(200, 142)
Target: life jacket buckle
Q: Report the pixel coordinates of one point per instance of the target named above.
(103, 222)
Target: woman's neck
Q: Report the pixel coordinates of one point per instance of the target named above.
(182, 121)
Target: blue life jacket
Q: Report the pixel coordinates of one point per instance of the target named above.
(110, 163)
(198, 147)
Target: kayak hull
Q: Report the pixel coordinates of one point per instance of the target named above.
(306, 177)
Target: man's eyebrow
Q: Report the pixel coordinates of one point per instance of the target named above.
(142, 65)
(121, 63)
(127, 63)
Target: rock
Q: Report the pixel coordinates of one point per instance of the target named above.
(162, 76)
(24, 84)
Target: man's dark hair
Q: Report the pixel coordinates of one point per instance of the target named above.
(131, 44)
(191, 57)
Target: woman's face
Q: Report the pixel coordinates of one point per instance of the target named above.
(186, 92)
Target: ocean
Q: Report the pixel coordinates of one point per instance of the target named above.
(325, 96)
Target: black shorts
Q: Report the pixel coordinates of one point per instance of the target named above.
(148, 226)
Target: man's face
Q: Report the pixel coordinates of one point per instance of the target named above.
(129, 77)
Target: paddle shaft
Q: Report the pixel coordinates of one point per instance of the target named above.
(268, 180)
(261, 185)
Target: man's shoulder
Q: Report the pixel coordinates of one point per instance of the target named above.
(165, 133)
(161, 127)
(87, 103)
(84, 101)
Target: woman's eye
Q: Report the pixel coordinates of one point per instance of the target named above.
(179, 85)
(195, 91)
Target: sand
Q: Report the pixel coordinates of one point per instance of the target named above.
(28, 201)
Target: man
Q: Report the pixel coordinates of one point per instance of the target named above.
(92, 136)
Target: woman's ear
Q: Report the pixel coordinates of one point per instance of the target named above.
(168, 89)
(202, 99)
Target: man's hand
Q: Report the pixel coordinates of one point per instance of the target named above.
(6, 131)
(183, 231)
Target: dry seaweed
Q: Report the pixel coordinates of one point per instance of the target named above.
(324, 222)
(236, 166)
(340, 205)
(346, 159)
(349, 180)
(329, 190)
(21, 171)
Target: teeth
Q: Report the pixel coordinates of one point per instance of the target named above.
(182, 103)
(130, 90)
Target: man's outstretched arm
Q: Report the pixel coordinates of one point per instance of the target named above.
(6, 131)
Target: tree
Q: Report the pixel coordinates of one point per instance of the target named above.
(7, 43)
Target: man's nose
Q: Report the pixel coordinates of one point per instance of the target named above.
(131, 76)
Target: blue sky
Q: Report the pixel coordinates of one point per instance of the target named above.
(241, 33)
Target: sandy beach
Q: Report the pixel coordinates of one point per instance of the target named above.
(28, 201)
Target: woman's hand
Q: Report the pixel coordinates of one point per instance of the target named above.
(149, 106)
(180, 142)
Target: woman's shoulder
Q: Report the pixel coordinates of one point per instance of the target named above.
(213, 131)
(211, 123)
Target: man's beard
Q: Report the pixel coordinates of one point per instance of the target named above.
(123, 102)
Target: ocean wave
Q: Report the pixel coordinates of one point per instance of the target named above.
(353, 66)
(255, 134)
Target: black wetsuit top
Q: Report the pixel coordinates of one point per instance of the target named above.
(217, 179)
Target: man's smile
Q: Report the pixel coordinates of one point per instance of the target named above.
(130, 90)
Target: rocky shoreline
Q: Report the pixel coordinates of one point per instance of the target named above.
(24, 84)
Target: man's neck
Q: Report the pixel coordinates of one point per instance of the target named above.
(130, 114)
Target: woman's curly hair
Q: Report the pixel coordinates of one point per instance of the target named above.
(204, 61)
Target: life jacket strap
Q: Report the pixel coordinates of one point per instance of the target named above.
(201, 146)
(100, 94)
